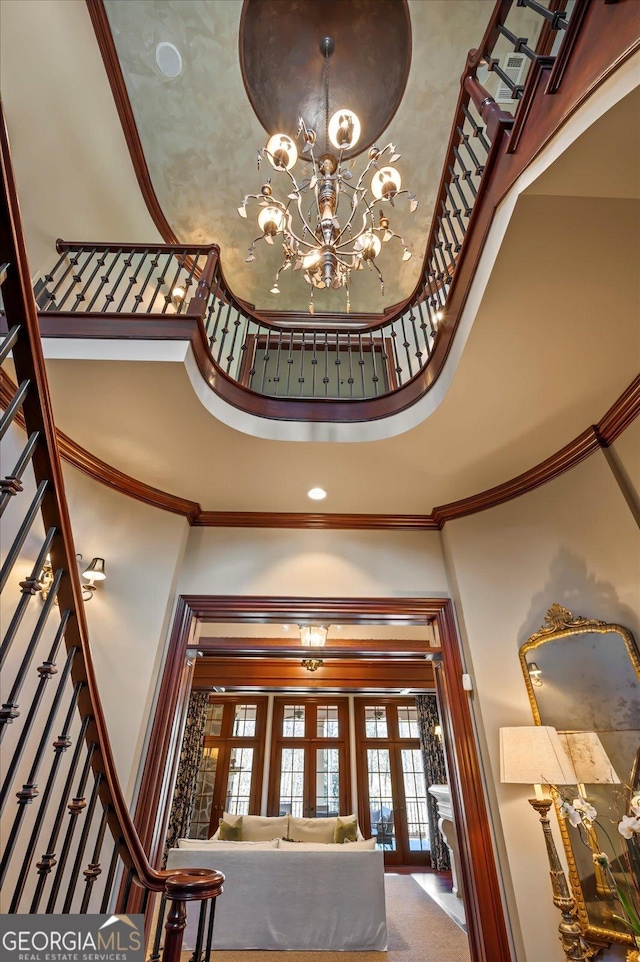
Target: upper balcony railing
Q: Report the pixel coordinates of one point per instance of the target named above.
(319, 367)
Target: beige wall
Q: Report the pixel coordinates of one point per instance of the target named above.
(573, 541)
(129, 615)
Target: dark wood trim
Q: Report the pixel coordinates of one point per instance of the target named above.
(486, 923)
(347, 674)
(104, 37)
(619, 416)
(566, 49)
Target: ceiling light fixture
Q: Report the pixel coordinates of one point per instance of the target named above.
(316, 494)
(313, 636)
(326, 251)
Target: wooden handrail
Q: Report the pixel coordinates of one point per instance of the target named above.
(21, 311)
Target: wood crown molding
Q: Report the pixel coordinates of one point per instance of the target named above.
(601, 435)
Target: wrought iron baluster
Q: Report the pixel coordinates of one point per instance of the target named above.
(7, 344)
(212, 913)
(111, 874)
(197, 952)
(49, 276)
(76, 278)
(28, 588)
(455, 210)
(29, 790)
(13, 407)
(231, 356)
(350, 380)
(46, 670)
(214, 332)
(464, 138)
(325, 379)
(73, 262)
(455, 180)
(211, 306)
(48, 859)
(93, 869)
(314, 364)
(337, 363)
(133, 280)
(104, 280)
(157, 939)
(224, 332)
(374, 365)
(12, 484)
(453, 237)
(110, 297)
(60, 745)
(81, 296)
(159, 281)
(393, 337)
(361, 363)
(478, 130)
(123, 901)
(557, 18)
(265, 358)
(82, 844)
(466, 173)
(445, 243)
(75, 807)
(276, 377)
(416, 343)
(182, 305)
(302, 360)
(23, 531)
(168, 296)
(289, 365)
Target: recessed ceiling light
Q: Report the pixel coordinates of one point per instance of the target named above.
(169, 59)
(316, 494)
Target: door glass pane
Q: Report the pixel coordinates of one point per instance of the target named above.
(380, 798)
(293, 721)
(292, 782)
(201, 815)
(416, 801)
(375, 721)
(327, 782)
(408, 721)
(213, 723)
(244, 721)
(327, 725)
(239, 784)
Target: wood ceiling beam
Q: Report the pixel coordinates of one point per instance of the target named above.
(357, 673)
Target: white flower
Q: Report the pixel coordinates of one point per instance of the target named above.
(602, 859)
(634, 805)
(629, 826)
(568, 811)
(586, 810)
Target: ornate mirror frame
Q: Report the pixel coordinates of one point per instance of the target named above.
(561, 623)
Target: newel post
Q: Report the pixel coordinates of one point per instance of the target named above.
(494, 117)
(199, 301)
(191, 885)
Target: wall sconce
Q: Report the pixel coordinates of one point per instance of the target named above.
(94, 572)
(437, 731)
(313, 636)
(312, 664)
(534, 674)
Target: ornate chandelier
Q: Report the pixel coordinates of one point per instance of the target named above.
(317, 243)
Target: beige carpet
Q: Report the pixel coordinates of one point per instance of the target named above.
(419, 931)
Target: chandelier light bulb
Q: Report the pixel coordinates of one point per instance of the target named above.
(385, 183)
(282, 152)
(270, 220)
(313, 636)
(370, 244)
(310, 260)
(344, 129)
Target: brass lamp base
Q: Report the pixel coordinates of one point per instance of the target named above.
(575, 948)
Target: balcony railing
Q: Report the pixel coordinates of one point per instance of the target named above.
(345, 367)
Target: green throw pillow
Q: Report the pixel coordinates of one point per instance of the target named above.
(345, 831)
(230, 833)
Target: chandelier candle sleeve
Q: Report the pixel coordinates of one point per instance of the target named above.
(324, 239)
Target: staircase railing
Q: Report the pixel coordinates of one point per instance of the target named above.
(355, 367)
(69, 844)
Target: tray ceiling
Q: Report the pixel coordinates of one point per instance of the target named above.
(200, 133)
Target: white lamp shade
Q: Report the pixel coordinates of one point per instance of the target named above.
(369, 245)
(270, 220)
(282, 152)
(313, 636)
(344, 129)
(534, 755)
(385, 182)
(587, 754)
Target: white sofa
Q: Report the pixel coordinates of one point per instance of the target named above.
(309, 896)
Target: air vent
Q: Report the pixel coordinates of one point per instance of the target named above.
(169, 60)
(513, 66)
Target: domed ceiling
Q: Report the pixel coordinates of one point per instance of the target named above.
(200, 131)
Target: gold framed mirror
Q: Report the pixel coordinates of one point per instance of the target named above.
(583, 676)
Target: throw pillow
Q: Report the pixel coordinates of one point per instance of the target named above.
(231, 833)
(258, 828)
(345, 831)
(311, 829)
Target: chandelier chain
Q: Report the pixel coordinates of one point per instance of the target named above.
(326, 99)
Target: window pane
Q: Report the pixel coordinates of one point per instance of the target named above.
(408, 721)
(381, 798)
(375, 721)
(213, 723)
(244, 721)
(292, 782)
(327, 782)
(415, 792)
(239, 784)
(327, 724)
(201, 815)
(293, 721)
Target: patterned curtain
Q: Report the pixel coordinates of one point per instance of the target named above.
(435, 773)
(187, 777)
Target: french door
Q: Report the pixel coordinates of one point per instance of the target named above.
(391, 783)
(231, 763)
(309, 762)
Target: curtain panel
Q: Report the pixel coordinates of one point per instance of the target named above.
(435, 773)
(188, 766)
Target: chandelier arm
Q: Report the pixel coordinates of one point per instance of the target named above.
(354, 207)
